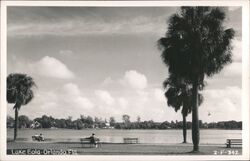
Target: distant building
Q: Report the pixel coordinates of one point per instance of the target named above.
(107, 124)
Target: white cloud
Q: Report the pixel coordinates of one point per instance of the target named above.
(72, 96)
(108, 81)
(232, 92)
(71, 89)
(233, 8)
(60, 103)
(105, 97)
(122, 102)
(233, 70)
(159, 95)
(223, 104)
(237, 50)
(51, 67)
(135, 80)
(83, 103)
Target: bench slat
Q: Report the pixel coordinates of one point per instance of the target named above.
(233, 142)
(88, 141)
(130, 140)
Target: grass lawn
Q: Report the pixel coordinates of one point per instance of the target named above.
(129, 149)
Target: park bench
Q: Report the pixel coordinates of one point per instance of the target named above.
(87, 141)
(231, 142)
(131, 140)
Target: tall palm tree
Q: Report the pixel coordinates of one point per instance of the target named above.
(19, 92)
(196, 45)
(179, 94)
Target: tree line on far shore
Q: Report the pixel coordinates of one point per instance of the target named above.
(95, 122)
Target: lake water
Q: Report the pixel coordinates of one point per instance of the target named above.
(116, 136)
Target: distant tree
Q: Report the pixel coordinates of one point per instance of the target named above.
(97, 120)
(24, 121)
(45, 121)
(112, 121)
(126, 118)
(196, 45)
(60, 123)
(138, 119)
(10, 122)
(89, 122)
(78, 124)
(165, 125)
(69, 122)
(83, 118)
(19, 92)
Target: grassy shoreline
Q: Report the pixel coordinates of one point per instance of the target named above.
(129, 149)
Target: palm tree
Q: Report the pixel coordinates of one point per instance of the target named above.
(179, 94)
(19, 92)
(196, 45)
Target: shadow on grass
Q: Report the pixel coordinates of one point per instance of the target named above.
(195, 153)
(235, 147)
(84, 147)
(18, 139)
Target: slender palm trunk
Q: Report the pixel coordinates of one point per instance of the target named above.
(184, 129)
(195, 118)
(16, 123)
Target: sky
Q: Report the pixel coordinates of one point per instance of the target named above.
(104, 61)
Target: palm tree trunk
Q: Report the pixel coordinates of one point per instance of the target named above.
(16, 123)
(184, 129)
(195, 118)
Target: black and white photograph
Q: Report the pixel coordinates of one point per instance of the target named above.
(135, 79)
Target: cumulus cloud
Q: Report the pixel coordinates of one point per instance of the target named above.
(105, 97)
(71, 95)
(122, 102)
(237, 50)
(51, 67)
(137, 98)
(108, 81)
(233, 8)
(224, 104)
(83, 103)
(71, 89)
(135, 80)
(233, 70)
(61, 103)
(159, 95)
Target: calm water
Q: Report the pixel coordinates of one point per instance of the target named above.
(116, 136)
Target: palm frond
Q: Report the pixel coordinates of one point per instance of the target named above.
(19, 89)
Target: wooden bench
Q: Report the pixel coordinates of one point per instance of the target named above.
(86, 141)
(231, 142)
(130, 140)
